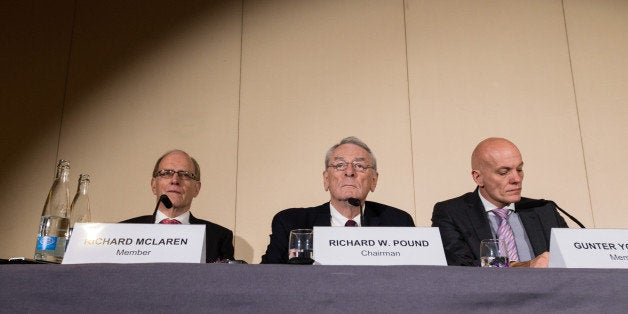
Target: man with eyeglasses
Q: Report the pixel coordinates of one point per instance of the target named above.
(178, 176)
(350, 174)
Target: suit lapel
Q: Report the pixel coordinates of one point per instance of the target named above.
(534, 231)
(322, 216)
(477, 217)
(193, 220)
(370, 217)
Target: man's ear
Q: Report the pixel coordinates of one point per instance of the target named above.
(326, 180)
(374, 181)
(153, 185)
(477, 177)
(197, 187)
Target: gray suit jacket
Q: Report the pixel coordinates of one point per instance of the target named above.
(463, 223)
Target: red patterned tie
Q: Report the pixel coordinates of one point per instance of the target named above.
(504, 232)
(351, 223)
(169, 221)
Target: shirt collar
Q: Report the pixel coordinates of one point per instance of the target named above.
(488, 206)
(338, 220)
(183, 218)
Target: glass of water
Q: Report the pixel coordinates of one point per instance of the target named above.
(493, 253)
(300, 247)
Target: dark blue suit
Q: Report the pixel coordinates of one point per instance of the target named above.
(375, 214)
(463, 223)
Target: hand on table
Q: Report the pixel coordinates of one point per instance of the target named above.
(541, 261)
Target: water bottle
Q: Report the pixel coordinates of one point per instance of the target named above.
(80, 210)
(53, 228)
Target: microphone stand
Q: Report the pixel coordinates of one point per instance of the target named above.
(568, 215)
(530, 204)
(164, 200)
(356, 202)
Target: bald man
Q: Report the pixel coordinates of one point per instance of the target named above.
(497, 169)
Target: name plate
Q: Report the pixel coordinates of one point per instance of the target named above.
(378, 246)
(589, 248)
(135, 243)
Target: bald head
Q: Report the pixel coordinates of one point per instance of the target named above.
(490, 149)
(497, 169)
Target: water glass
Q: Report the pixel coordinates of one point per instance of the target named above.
(493, 253)
(300, 247)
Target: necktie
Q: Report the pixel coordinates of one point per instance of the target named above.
(169, 221)
(351, 223)
(504, 232)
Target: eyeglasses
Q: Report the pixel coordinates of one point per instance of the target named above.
(357, 166)
(169, 173)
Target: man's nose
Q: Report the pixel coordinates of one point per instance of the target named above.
(175, 178)
(515, 178)
(349, 172)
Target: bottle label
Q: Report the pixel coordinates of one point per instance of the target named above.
(46, 243)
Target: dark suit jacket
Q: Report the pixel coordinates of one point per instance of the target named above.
(463, 223)
(218, 239)
(375, 214)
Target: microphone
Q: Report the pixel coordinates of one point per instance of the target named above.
(356, 202)
(164, 200)
(353, 201)
(529, 204)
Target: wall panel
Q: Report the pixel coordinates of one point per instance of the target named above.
(34, 50)
(493, 68)
(599, 46)
(313, 73)
(147, 77)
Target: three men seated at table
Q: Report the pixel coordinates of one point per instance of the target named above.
(494, 210)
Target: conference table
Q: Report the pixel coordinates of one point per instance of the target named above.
(170, 287)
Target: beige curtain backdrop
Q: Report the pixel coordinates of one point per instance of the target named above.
(257, 91)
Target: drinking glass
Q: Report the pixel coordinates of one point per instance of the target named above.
(493, 253)
(300, 247)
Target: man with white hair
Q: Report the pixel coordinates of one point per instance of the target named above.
(350, 174)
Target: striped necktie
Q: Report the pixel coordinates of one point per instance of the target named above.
(504, 232)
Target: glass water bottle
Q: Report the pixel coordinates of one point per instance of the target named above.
(53, 227)
(81, 208)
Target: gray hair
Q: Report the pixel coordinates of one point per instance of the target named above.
(197, 168)
(351, 140)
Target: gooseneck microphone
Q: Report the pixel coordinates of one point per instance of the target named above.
(164, 200)
(529, 204)
(356, 202)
